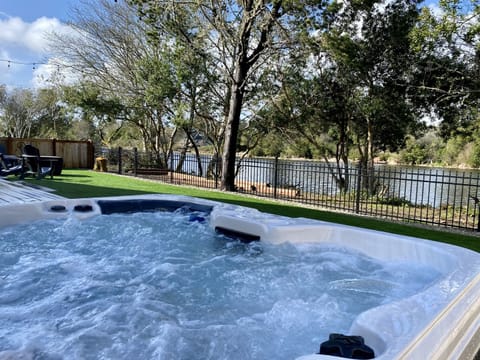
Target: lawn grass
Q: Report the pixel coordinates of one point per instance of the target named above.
(86, 183)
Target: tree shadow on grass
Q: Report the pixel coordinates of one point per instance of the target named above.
(78, 190)
(67, 175)
(84, 190)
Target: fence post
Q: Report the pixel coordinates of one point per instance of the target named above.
(478, 220)
(9, 146)
(217, 168)
(477, 208)
(119, 159)
(135, 161)
(90, 154)
(358, 189)
(171, 167)
(275, 177)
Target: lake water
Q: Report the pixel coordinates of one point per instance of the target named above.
(418, 185)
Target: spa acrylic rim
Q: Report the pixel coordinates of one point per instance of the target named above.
(441, 322)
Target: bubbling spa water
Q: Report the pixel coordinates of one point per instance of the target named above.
(164, 285)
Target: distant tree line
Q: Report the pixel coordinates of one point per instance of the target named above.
(336, 80)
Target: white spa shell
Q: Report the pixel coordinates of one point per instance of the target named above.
(442, 322)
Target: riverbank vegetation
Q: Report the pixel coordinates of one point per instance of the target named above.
(335, 80)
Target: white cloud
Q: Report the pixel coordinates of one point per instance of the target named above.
(11, 28)
(435, 10)
(42, 75)
(24, 46)
(35, 36)
(31, 36)
(46, 75)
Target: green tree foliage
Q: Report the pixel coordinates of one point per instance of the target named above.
(17, 117)
(414, 153)
(33, 113)
(52, 119)
(315, 111)
(135, 83)
(354, 92)
(140, 82)
(240, 38)
(369, 46)
(97, 114)
(330, 79)
(447, 74)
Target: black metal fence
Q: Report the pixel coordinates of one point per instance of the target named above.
(433, 196)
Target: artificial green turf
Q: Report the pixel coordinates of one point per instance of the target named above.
(86, 183)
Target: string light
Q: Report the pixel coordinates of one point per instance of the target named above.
(32, 64)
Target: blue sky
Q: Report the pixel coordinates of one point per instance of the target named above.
(31, 10)
(23, 24)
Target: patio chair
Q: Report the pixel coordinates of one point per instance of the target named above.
(10, 165)
(31, 161)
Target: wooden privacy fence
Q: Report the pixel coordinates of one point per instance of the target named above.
(75, 154)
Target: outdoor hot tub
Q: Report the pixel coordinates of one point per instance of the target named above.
(439, 319)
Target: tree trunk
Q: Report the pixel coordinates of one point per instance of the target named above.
(231, 135)
(182, 157)
(213, 167)
(367, 161)
(370, 162)
(197, 155)
(245, 57)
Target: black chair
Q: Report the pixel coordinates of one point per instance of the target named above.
(10, 165)
(31, 160)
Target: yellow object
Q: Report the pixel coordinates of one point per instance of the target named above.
(100, 164)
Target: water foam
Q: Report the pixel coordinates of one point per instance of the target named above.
(158, 286)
